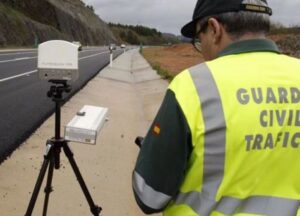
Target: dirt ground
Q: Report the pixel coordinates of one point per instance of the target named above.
(173, 58)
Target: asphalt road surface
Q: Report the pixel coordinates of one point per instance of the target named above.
(24, 104)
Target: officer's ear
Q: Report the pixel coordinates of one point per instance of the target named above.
(215, 30)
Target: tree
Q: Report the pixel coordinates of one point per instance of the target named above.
(91, 8)
(132, 38)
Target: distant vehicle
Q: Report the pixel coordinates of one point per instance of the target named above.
(112, 47)
(78, 44)
(123, 46)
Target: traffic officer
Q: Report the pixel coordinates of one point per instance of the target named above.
(226, 139)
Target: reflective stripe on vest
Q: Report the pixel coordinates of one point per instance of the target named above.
(203, 203)
(152, 198)
(261, 205)
(214, 143)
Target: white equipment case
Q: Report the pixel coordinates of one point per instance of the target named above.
(86, 125)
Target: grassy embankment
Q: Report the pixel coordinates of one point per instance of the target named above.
(168, 61)
(140, 35)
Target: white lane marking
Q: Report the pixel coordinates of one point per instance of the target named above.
(19, 75)
(93, 55)
(18, 59)
(27, 58)
(89, 50)
(23, 58)
(34, 71)
(17, 53)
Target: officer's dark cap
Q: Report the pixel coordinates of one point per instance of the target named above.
(206, 8)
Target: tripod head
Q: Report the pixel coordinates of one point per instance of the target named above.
(58, 88)
(56, 93)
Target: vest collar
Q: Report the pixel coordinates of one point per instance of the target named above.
(253, 45)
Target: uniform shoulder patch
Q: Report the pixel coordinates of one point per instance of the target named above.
(156, 129)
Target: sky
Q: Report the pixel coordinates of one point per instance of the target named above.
(169, 16)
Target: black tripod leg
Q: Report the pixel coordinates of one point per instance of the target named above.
(94, 209)
(37, 186)
(48, 188)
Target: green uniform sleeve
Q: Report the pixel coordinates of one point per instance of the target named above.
(163, 158)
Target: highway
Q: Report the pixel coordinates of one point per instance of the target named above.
(24, 104)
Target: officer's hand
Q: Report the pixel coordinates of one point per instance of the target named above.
(139, 141)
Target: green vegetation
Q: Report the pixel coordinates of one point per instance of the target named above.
(10, 11)
(165, 74)
(140, 35)
(141, 30)
(11, 19)
(91, 8)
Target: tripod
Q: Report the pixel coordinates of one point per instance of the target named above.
(52, 155)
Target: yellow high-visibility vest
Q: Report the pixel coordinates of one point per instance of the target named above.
(244, 115)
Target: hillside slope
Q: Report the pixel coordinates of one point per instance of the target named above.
(141, 35)
(24, 22)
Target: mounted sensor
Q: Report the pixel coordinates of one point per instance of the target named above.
(58, 60)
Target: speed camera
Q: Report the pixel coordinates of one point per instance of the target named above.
(58, 60)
